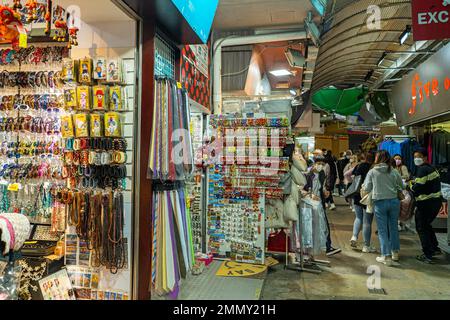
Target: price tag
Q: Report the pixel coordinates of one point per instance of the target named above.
(13, 187)
(179, 85)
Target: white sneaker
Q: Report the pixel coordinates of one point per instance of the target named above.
(353, 243)
(367, 249)
(333, 206)
(384, 260)
(353, 210)
(395, 256)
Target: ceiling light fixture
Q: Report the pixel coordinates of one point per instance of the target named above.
(405, 34)
(281, 73)
(293, 92)
(382, 58)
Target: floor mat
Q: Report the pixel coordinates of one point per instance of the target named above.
(208, 286)
(237, 269)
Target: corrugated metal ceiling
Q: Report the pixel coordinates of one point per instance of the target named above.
(350, 49)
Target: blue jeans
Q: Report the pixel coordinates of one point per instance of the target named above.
(386, 213)
(365, 220)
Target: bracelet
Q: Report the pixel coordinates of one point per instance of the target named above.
(76, 144)
(105, 158)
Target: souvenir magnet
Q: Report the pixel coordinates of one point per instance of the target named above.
(96, 125)
(100, 68)
(85, 71)
(113, 74)
(67, 127)
(100, 95)
(115, 98)
(112, 125)
(81, 125)
(84, 97)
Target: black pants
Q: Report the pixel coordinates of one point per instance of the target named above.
(328, 243)
(426, 212)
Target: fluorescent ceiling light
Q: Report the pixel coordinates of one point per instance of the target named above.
(382, 58)
(293, 92)
(405, 34)
(281, 73)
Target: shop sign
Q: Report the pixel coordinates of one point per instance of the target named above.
(195, 73)
(431, 19)
(425, 92)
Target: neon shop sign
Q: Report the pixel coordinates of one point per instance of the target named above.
(424, 90)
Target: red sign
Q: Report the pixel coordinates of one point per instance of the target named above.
(431, 19)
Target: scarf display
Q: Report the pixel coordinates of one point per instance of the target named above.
(172, 248)
(171, 152)
(170, 164)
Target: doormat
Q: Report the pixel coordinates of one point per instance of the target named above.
(237, 269)
(378, 291)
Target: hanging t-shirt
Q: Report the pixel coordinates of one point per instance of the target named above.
(392, 147)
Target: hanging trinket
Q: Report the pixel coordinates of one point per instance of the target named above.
(17, 6)
(48, 17)
(31, 6)
(73, 30)
(60, 25)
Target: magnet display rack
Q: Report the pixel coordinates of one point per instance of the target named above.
(238, 189)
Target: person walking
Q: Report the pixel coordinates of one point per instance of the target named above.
(404, 173)
(427, 192)
(344, 159)
(348, 177)
(315, 184)
(330, 160)
(385, 183)
(363, 219)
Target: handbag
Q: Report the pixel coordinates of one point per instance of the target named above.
(290, 210)
(354, 188)
(400, 195)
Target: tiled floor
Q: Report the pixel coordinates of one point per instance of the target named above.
(348, 276)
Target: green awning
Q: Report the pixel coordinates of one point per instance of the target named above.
(341, 101)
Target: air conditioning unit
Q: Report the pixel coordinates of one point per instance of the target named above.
(295, 58)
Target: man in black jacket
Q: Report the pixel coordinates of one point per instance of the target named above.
(427, 192)
(315, 184)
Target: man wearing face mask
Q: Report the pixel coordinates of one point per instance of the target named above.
(427, 192)
(315, 184)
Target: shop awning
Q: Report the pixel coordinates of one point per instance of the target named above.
(341, 101)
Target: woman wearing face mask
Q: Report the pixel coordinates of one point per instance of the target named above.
(385, 183)
(363, 219)
(427, 192)
(401, 168)
(315, 184)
